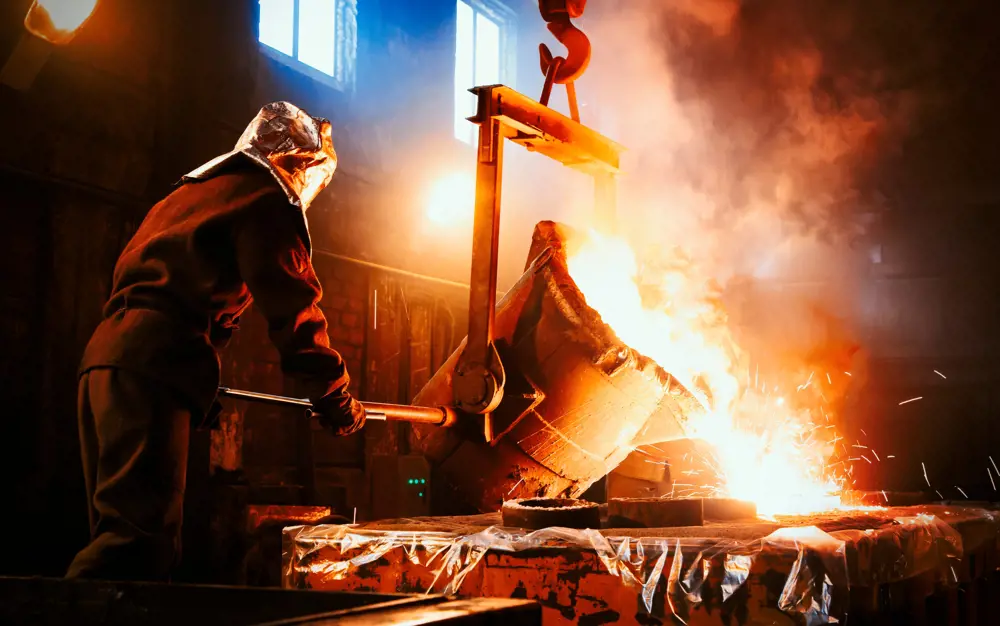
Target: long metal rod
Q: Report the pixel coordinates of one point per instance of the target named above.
(435, 416)
(485, 243)
(391, 270)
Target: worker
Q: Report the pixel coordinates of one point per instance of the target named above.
(233, 232)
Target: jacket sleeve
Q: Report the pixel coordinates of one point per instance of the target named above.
(274, 262)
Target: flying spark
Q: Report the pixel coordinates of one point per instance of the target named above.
(866, 458)
(940, 374)
(991, 478)
(925, 474)
(876, 455)
(515, 486)
(962, 492)
(863, 432)
(994, 466)
(891, 456)
(911, 400)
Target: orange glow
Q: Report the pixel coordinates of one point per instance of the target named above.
(57, 21)
(451, 199)
(766, 449)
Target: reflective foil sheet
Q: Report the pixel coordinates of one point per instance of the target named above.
(285, 140)
(786, 575)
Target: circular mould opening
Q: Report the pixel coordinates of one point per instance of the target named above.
(537, 513)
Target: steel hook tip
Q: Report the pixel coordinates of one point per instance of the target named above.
(552, 10)
(579, 49)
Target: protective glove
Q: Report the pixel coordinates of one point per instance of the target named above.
(340, 413)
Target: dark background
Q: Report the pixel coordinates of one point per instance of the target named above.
(149, 90)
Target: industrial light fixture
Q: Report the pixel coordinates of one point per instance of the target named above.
(57, 21)
(49, 23)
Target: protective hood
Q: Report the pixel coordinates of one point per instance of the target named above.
(296, 148)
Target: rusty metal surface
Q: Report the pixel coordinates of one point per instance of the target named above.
(548, 132)
(727, 509)
(288, 514)
(577, 372)
(810, 570)
(656, 512)
(538, 513)
(479, 376)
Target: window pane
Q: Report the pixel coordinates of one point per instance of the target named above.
(276, 20)
(465, 77)
(487, 51)
(317, 33)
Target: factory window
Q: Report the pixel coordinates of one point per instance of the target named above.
(484, 50)
(316, 37)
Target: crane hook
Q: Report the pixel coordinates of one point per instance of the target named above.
(557, 14)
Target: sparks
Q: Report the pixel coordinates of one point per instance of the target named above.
(848, 374)
(940, 374)
(994, 466)
(876, 455)
(962, 492)
(885, 496)
(990, 474)
(911, 400)
(863, 432)
(891, 456)
(866, 458)
(940, 495)
(515, 486)
(766, 448)
(828, 378)
(925, 474)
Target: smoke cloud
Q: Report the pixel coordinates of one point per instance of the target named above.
(750, 130)
(755, 132)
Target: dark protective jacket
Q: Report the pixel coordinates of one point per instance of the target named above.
(193, 267)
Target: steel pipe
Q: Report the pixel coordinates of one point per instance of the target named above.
(442, 416)
(433, 416)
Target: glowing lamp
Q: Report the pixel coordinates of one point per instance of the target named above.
(49, 23)
(57, 21)
(452, 199)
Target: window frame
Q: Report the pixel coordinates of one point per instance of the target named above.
(506, 20)
(344, 73)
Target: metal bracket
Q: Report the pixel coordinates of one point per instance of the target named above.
(506, 114)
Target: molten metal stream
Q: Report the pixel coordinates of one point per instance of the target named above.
(765, 451)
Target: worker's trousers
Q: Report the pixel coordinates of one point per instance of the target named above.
(134, 439)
